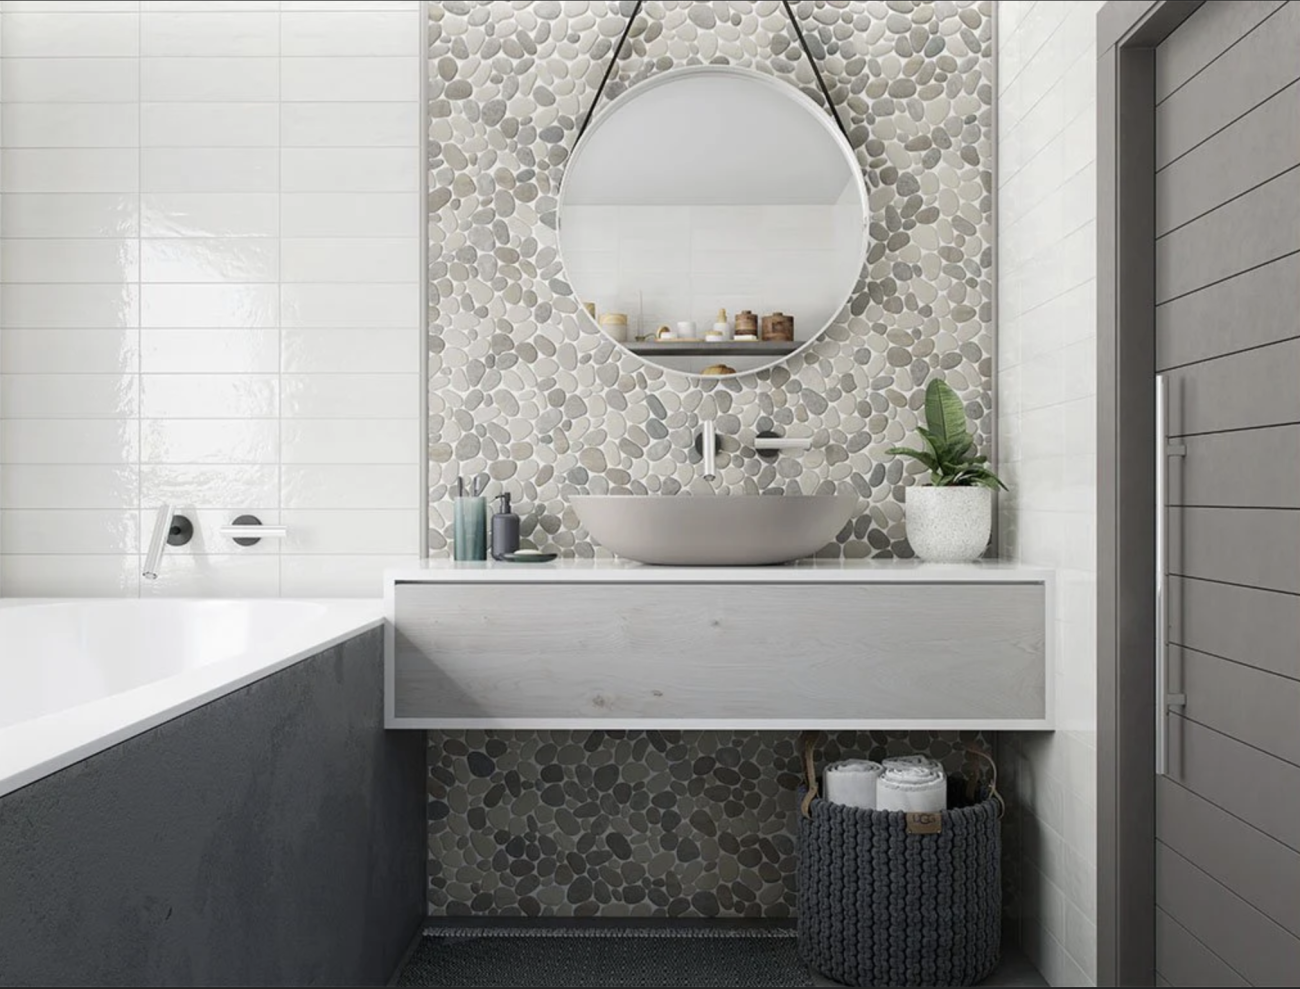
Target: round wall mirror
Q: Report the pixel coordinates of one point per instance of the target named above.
(713, 220)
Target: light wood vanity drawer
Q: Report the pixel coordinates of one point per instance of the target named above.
(725, 655)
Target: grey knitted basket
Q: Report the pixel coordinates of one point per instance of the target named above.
(894, 899)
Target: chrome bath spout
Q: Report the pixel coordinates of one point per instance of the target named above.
(708, 450)
(168, 530)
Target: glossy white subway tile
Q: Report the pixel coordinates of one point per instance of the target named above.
(64, 214)
(211, 306)
(209, 259)
(231, 575)
(149, 6)
(336, 576)
(69, 531)
(350, 441)
(210, 214)
(70, 125)
(347, 259)
(215, 441)
(349, 486)
(342, 214)
(201, 80)
(69, 441)
(45, 576)
(28, 34)
(209, 125)
(217, 486)
(209, 170)
(393, 532)
(51, 486)
(208, 396)
(350, 169)
(336, 5)
(357, 125)
(367, 32)
(229, 351)
(71, 306)
(69, 80)
(68, 396)
(349, 80)
(59, 259)
(71, 6)
(69, 170)
(209, 33)
(323, 304)
(346, 350)
(52, 351)
(357, 396)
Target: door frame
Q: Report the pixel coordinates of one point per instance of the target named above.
(1128, 32)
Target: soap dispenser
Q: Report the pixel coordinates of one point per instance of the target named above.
(721, 326)
(505, 528)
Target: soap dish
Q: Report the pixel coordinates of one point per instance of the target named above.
(527, 557)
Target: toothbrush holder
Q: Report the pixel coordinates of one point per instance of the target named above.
(469, 538)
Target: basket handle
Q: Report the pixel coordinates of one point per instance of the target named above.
(808, 744)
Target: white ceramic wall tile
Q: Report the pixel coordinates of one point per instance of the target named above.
(238, 351)
(218, 441)
(349, 80)
(209, 259)
(75, 532)
(208, 396)
(210, 214)
(209, 34)
(69, 80)
(28, 34)
(70, 125)
(338, 214)
(69, 441)
(50, 351)
(355, 125)
(1047, 411)
(203, 80)
(149, 169)
(355, 396)
(368, 32)
(347, 259)
(223, 125)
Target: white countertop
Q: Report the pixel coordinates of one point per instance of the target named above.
(804, 571)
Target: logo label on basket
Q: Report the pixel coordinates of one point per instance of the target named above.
(924, 823)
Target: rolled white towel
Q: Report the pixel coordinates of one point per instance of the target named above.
(852, 783)
(898, 761)
(912, 789)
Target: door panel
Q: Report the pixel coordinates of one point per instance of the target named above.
(1260, 709)
(1187, 961)
(1258, 547)
(1260, 870)
(1239, 469)
(1244, 624)
(1209, 32)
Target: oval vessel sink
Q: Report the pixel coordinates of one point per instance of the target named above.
(719, 531)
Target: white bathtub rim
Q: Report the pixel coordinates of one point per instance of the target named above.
(32, 750)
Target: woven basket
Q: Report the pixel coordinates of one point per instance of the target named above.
(894, 899)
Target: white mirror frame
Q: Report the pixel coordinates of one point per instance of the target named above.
(785, 90)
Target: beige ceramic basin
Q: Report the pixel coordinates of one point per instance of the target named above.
(719, 531)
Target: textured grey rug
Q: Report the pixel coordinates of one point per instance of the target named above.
(618, 957)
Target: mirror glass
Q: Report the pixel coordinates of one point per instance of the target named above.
(713, 220)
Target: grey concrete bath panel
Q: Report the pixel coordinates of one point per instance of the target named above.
(275, 836)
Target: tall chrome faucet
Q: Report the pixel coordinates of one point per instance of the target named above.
(708, 447)
(168, 530)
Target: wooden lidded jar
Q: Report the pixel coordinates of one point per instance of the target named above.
(746, 323)
(778, 327)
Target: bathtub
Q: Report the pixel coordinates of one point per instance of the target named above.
(77, 677)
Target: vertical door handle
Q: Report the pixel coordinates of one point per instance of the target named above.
(1167, 408)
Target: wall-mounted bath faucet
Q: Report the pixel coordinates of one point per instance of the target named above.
(168, 530)
(707, 444)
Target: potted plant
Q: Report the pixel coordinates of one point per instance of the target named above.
(950, 520)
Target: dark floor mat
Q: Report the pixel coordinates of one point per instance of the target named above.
(616, 958)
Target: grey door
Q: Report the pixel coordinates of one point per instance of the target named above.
(1227, 264)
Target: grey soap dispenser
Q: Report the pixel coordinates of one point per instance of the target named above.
(505, 529)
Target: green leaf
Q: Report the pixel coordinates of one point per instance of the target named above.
(926, 458)
(944, 414)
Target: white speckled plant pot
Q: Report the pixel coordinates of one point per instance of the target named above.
(949, 525)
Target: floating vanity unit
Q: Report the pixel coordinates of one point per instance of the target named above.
(822, 644)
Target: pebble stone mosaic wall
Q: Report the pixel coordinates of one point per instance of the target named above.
(614, 823)
(523, 389)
